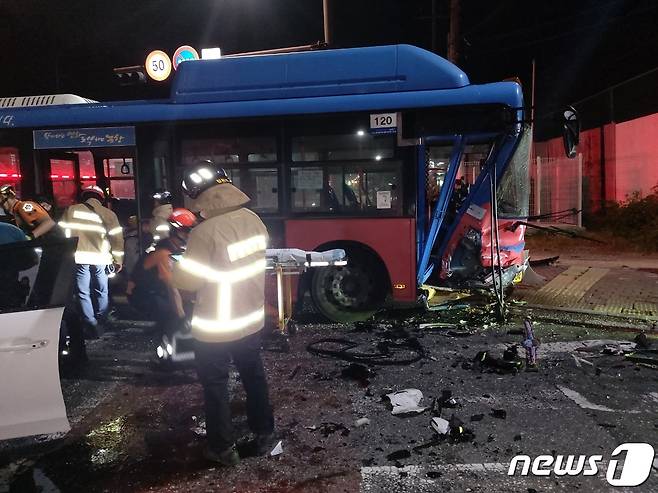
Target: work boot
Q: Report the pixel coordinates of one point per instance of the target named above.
(263, 444)
(228, 457)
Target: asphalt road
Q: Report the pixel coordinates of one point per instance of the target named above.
(136, 428)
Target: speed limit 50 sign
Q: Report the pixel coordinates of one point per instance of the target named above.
(158, 65)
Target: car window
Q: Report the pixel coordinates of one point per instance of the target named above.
(36, 274)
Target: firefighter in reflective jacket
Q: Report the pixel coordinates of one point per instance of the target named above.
(150, 290)
(224, 264)
(100, 247)
(29, 216)
(162, 209)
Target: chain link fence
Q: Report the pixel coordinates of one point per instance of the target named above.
(556, 190)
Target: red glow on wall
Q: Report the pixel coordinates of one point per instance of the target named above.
(629, 165)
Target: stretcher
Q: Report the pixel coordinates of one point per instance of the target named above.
(288, 262)
(282, 262)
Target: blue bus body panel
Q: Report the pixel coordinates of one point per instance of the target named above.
(315, 73)
(126, 113)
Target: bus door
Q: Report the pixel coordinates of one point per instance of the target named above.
(117, 169)
(111, 169)
(62, 170)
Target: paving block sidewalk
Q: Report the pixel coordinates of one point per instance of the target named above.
(608, 291)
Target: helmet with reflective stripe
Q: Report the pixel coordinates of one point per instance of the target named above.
(162, 196)
(92, 192)
(201, 177)
(7, 191)
(182, 219)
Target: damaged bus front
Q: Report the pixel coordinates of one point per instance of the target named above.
(476, 201)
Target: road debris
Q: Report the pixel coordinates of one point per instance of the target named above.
(406, 401)
(581, 360)
(277, 450)
(445, 401)
(458, 432)
(499, 365)
(359, 373)
(330, 428)
(394, 347)
(361, 422)
(642, 341)
(499, 413)
(530, 343)
(440, 425)
(646, 357)
(436, 325)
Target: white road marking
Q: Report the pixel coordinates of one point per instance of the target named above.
(585, 404)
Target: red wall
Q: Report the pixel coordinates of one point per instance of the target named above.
(630, 164)
(636, 156)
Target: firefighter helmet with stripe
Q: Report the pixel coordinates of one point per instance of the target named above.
(92, 192)
(201, 177)
(162, 196)
(182, 219)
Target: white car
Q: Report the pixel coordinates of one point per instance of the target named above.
(35, 285)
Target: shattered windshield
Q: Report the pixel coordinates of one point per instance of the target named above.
(514, 186)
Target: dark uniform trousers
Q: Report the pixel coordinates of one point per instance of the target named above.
(213, 360)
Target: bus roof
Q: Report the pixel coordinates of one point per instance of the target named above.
(330, 81)
(370, 70)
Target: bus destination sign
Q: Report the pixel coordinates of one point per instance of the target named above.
(383, 123)
(76, 138)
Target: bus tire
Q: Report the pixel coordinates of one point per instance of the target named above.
(353, 292)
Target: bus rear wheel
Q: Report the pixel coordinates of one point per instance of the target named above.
(349, 293)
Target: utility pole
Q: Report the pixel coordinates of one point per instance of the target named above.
(434, 26)
(454, 32)
(327, 21)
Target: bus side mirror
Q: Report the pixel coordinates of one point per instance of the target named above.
(570, 131)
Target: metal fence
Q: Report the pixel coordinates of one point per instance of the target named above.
(556, 187)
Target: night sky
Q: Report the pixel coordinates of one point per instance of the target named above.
(580, 47)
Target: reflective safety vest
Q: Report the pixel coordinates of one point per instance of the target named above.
(225, 265)
(100, 236)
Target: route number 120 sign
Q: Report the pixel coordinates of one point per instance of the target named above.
(158, 65)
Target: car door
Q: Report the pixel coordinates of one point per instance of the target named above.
(35, 284)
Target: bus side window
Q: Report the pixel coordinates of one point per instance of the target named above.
(248, 162)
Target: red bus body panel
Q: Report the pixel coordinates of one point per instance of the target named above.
(393, 239)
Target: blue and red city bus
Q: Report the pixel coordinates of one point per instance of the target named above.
(388, 152)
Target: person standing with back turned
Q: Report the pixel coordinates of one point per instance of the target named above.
(100, 244)
(224, 264)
